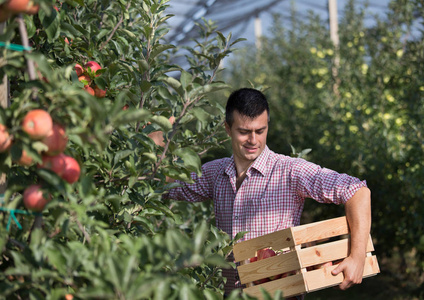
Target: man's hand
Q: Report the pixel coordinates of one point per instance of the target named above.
(352, 269)
(358, 213)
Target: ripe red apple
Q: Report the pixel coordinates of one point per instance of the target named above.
(72, 169)
(94, 66)
(16, 6)
(25, 159)
(5, 139)
(99, 93)
(89, 90)
(85, 79)
(56, 140)
(53, 163)
(33, 198)
(265, 253)
(37, 124)
(32, 8)
(79, 69)
(125, 107)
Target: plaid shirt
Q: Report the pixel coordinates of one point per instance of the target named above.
(271, 196)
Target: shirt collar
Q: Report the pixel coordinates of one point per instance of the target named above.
(260, 164)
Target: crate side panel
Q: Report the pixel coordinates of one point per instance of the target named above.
(327, 252)
(322, 278)
(277, 240)
(291, 286)
(271, 266)
(320, 230)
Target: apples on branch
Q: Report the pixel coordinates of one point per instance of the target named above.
(86, 75)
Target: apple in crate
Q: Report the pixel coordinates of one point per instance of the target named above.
(262, 254)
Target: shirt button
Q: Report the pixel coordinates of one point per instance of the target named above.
(236, 217)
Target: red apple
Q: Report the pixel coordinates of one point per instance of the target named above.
(53, 163)
(125, 107)
(25, 159)
(32, 8)
(93, 66)
(5, 139)
(99, 93)
(265, 253)
(72, 169)
(79, 69)
(37, 124)
(56, 140)
(85, 79)
(16, 6)
(34, 199)
(89, 90)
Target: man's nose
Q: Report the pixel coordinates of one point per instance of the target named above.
(252, 138)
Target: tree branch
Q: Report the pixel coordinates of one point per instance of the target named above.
(115, 28)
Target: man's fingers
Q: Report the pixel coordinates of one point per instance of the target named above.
(337, 270)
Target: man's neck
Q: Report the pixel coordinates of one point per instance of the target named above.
(241, 168)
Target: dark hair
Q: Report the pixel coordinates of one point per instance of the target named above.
(248, 102)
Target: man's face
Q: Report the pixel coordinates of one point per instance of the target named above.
(248, 136)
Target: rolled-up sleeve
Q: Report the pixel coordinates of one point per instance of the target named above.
(201, 189)
(324, 185)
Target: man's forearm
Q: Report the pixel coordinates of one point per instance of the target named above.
(358, 213)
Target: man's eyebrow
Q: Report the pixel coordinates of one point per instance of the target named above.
(245, 129)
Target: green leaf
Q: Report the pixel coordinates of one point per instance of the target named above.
(145, 86)
(200, 114)
(51, 24)
(146, 223)
(191, 159)
(30, 26)
(175, 84)
(128, 116)
(120, 155)
(186, 79)
(162, 122)
(157, 49)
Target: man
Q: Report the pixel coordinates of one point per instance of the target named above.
(259, 191)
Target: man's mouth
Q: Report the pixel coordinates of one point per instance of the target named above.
(250, 149)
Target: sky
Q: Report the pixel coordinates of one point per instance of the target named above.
(237, 16)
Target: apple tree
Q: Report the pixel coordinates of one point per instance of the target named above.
(96, 227)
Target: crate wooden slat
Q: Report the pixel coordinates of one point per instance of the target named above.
(298, 256)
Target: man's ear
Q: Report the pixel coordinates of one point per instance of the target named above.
(228, 129)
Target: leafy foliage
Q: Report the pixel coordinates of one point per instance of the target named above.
(110, 235)
(365, 119)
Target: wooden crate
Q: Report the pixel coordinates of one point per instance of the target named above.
(303, 248)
